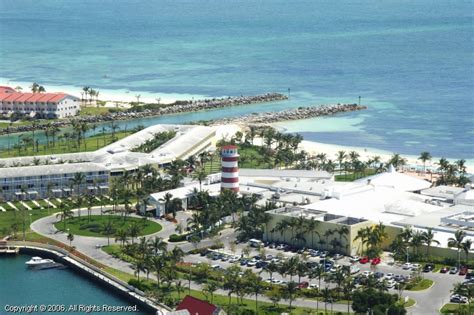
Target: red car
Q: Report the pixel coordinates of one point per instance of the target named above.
(444, 270)
(463, 271)
(375, 261)
(364, 260)
(303, 285)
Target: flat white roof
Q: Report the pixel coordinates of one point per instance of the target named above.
(55, 169)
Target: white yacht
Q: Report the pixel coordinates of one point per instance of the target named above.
(40, 263)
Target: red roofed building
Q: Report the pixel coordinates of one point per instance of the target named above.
(196, 306)
(43, 105)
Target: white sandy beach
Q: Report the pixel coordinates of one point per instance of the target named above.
(312, 147)
(112, 97)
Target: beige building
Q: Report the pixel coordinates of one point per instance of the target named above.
(333, 232)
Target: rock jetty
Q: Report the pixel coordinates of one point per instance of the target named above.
(291, 114)
(149, 110)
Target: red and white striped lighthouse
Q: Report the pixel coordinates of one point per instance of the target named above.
(230, 168)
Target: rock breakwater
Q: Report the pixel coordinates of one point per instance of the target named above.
(291, 114)
(149, 110)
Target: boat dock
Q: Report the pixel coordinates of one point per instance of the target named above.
(8, 250)
(118, 286)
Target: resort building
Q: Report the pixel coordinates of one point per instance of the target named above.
(47, 181)
(28, 177)
(41, 105)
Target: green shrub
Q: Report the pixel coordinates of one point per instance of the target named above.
(177, 238)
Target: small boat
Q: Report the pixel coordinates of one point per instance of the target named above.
(40, 263)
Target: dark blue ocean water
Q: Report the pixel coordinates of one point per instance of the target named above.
(22, 286)
(411, 61)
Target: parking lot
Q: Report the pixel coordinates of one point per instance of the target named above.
(387, 269)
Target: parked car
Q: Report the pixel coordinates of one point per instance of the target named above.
(354, 270)
(313, 286)
(252, 263)
(453, 270)
(234, 259)
(407, 266)
(398, 278)
(364, 260)
(389, 276)
(323, 254)
(456, 298)
(391, 283)
(463, 271)
(367, 273)
(216, 267)
(303, 285)
(470, 275)
(379, 274)
(243, 262)
(415, 267)
(428, 267)
(375, 261)
(354, 259)
(445, 269)
(337, 257)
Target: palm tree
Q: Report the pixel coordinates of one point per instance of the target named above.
(457, 242)
(327, 234)
(466, 247)
(343, 232)
(428, 238)
(70, 238)
(311, 226)
(290, 290)
(167, 199)
(134, 231)
(65, 214)
(121, 236)
(200, 175)
(424, 156)
(108, 229)
(210, 287)
(157, 245)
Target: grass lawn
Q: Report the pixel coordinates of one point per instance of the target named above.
(421, 285)
(94, 111)
(452, 308)
(250, 157)
(9, 218)
(91, 144)
(350, 177)
(410, 302)
(93, 227)
(15, 124)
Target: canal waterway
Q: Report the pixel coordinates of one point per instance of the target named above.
(20, 286)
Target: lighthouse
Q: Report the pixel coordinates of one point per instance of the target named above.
(230, 168)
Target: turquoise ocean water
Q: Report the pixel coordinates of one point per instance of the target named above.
(410, 61)
(21, 286)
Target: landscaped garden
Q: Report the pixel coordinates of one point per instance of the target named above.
(107, 225)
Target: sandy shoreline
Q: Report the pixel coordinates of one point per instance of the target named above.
(313, 148)
(109, 96)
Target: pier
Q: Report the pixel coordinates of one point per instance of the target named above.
(118, 286)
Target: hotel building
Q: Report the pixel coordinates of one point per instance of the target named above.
(42, 105)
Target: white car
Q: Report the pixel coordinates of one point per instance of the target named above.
(367, 273)
(407, 266)
(234, 259)
(389, 276)
(269, 280)
(313, 286)
(252, 263)
(415, 266)
(354, 269)
(354, 259)
(276, 281)
(391, 284)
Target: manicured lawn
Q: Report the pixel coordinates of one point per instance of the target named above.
(94, 110)
(350, 177)
(422, 285)
(9, 218)
(452, 308)
(410, 302)
(250, 157)
(94, 227)
(91, 144)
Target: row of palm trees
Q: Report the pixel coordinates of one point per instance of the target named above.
(410, 238)
(88, 91)
(373, 238)
(300, 227)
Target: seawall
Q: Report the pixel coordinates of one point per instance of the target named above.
(97, 275)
